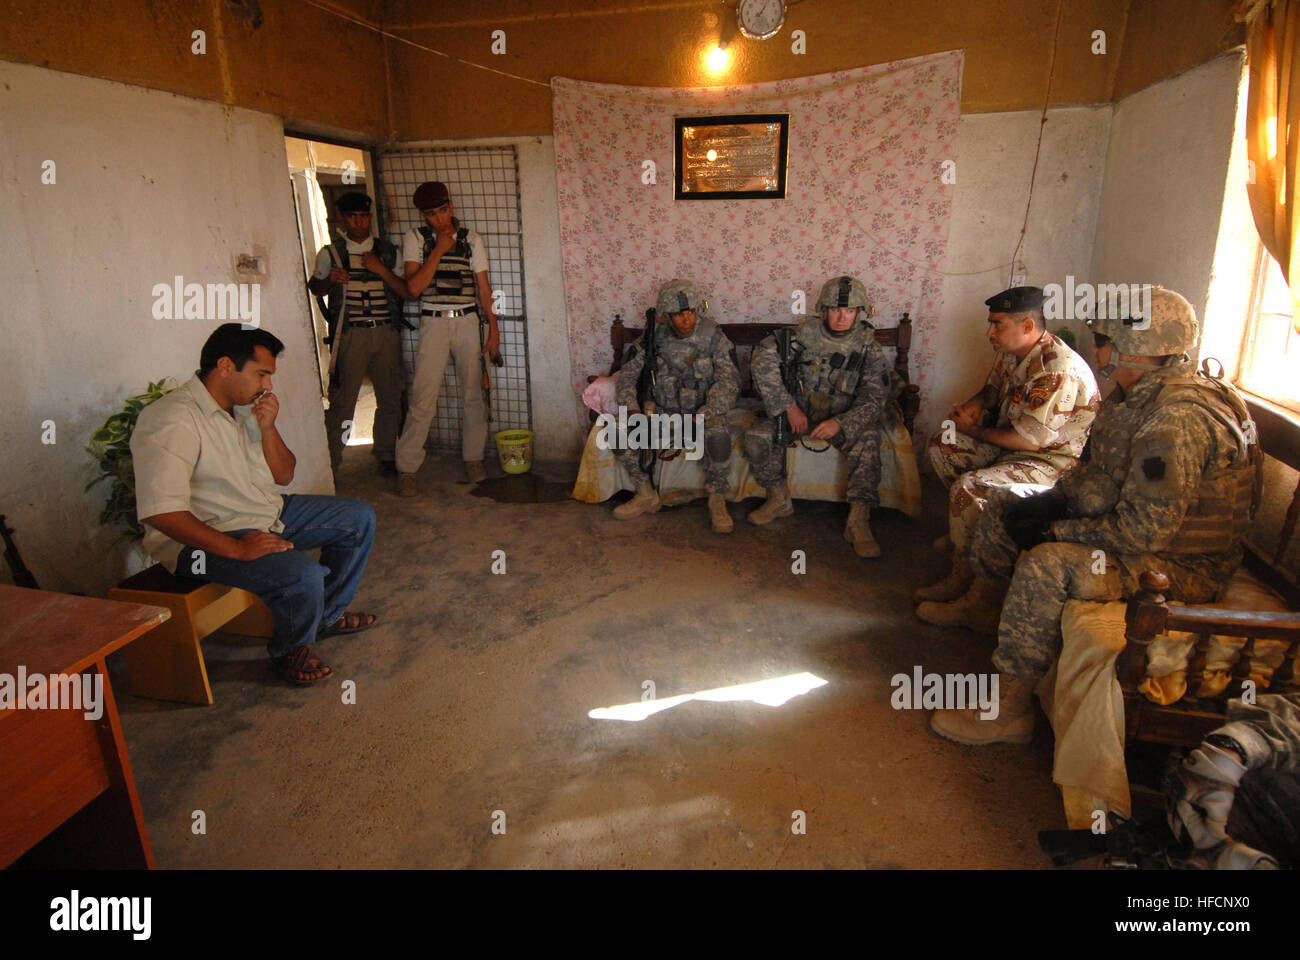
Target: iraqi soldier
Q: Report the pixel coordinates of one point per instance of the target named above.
(356, 273)
(841, 383)
(1168, 487)
(1041, 398)
(447, 270)
(693, 374)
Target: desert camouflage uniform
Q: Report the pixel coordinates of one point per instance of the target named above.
(695, 375)
(856, 401)
(1050, 398)
(1168, 487)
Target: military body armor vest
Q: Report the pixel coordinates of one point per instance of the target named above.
(453, 280)
(1226, 497)
(684, 366)
(359, 309)
(829, 368)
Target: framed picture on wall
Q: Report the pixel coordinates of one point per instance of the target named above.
(734, 157)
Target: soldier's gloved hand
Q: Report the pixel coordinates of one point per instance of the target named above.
(1028, 522)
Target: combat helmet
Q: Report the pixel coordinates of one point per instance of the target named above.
(1169, 329)
(844, 292)
(676, 296)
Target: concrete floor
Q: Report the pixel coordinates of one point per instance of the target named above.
(473, 692)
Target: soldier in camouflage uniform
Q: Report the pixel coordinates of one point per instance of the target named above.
(844, 383)
(694, 374)
(1168, 486)
(1044, 398)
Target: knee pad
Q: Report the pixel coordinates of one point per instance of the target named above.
(717, 444)
(758, 445)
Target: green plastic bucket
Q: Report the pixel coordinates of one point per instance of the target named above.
(515, 447)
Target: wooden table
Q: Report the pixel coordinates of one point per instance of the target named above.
(58, 768)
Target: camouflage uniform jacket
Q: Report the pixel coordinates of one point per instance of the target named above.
(705, 354)
(1169, 473)
(1050, 398)
(863, 395)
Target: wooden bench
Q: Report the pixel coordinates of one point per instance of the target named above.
(745, 336)
(167, 663)
(1186, 721)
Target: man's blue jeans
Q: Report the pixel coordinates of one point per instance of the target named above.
(302, 593)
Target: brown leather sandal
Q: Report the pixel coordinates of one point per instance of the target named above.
(298, 666)
(348, 623)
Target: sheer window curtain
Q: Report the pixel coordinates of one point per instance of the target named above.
(1272, 131)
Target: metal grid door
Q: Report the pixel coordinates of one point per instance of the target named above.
(484, 187)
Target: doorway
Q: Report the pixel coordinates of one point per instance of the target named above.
(320, 172)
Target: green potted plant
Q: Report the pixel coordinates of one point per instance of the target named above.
(110, 445)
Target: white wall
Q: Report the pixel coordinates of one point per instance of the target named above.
(995, 156)
(1163, 197)
(149, 185)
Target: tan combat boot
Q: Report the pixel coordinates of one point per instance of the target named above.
(645, 501)
(406, 484)
(979, 609)
(943, 544)
(776, 505)
(1014, 722)
(858, 531)
(951, 587)
(476, 471)
(718, 515)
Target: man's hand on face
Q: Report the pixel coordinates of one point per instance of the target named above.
(798, 420)
(339, 275)
(826, 429)
(259, 543)
(265, 409)
(446, 240)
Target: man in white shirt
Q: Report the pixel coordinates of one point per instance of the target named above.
(206, 480)
(447, 268)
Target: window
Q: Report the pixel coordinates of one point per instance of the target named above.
(1270, 357)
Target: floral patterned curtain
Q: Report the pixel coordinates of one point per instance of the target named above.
(870, 180)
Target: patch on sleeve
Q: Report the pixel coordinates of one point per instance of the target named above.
(1154, 468)
(1043, 389)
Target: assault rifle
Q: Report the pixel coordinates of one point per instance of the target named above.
(22, 576)
(649, 379)
(646, 383)
(484, 331)
(787, 358)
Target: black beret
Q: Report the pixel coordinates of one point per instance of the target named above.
(1015, 300)
(354, 201)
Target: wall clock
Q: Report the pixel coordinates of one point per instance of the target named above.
(760, 19)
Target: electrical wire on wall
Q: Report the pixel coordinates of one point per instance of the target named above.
(350, 18)
(1051, 72)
